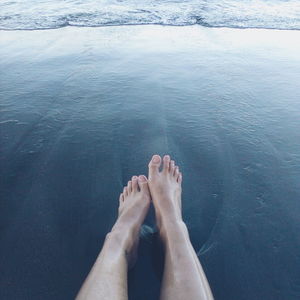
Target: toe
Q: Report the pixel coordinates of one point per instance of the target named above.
(179, 178)
(125, 191)
(154, 165)
(166, 166)
(129, 186)
(143, 184)
(134, 180)
(172, 167)
(121, 199)
(176, 172)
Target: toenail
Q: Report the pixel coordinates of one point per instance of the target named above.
(142, 178)
(167, 157)
(134, 177)
(155, 159)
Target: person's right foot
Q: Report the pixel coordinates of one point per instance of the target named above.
(165, 189)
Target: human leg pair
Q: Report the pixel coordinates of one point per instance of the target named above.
(183, 276)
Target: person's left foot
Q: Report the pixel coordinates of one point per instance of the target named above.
(134, 203)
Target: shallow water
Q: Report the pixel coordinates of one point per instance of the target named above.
(82, 110)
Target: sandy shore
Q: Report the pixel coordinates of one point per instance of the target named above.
(83, 109)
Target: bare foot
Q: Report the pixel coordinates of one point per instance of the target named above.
(165, 189)
(134, 203)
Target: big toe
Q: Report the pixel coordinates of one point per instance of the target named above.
(143, 184)
(154, 165)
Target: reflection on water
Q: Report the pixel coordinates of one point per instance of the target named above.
(77, 123)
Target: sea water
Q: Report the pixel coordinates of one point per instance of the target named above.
(84, 109)
(46, 14)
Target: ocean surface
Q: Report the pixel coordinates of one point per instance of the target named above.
(83, 109)
(46, 14)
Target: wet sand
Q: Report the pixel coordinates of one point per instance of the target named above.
(83, 109)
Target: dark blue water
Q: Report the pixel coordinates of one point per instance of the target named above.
(83, 111)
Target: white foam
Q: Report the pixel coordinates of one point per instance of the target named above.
(44, 14)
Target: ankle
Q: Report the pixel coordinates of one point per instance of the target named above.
(172, 227)
(116, 239)
(123, 237)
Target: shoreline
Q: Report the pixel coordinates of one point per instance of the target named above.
(232, 38)
(162, 25)
(85, 108)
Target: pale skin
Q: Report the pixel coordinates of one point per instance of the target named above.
(183, 276)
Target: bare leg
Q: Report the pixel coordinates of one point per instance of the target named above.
(183, 276)
(108, 278)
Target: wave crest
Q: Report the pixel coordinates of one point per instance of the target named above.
(45, 14)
